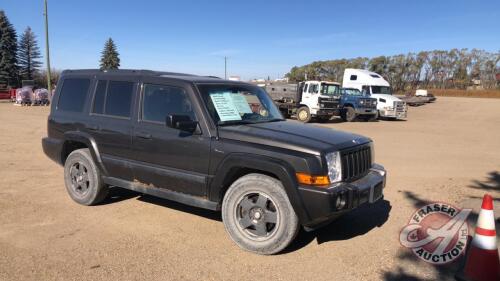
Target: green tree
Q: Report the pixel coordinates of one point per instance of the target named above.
(109, 56)
(28, 55)
(427, 69)
(8, 51)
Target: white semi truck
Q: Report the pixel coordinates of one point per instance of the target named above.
(371, 83)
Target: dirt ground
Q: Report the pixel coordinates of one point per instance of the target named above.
(447, 151)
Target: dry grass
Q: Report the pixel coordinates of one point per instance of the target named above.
(466, 93)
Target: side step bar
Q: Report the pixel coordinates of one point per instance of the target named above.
(164, 193)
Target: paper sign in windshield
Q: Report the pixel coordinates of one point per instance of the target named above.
(225, 107)
(241, 103)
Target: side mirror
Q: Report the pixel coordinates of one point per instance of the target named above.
(181, 122)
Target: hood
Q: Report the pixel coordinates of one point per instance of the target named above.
(389, 98)
(293, 135)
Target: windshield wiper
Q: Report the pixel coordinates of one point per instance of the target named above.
(234, 122)
(275, 120)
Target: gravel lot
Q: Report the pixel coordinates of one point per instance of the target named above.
(447, 151)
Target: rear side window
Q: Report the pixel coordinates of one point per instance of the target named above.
(73, 94)
(119, 98)
(113, 98)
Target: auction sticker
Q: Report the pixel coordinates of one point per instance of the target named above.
(437, 233)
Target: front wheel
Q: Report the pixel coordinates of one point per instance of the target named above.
(303, 114)
(258, 216)
(349, 114)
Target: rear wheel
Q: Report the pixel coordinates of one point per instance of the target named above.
(83, 179)
(303, 114)
(258, 216)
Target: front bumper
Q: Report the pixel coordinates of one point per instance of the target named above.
(327, 112)
(366, 111)
(393, 113)
(325, 204)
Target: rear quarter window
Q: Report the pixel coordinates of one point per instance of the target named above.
(73, 94)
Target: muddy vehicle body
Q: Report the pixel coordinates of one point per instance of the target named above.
(211, 143)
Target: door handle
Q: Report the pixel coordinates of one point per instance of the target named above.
(94, 127)
(143, 135)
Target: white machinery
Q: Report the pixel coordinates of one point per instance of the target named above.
(373, 84)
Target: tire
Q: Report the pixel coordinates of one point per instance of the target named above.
(303, 114)
(258, 216)
(83, 179)
(349, 114)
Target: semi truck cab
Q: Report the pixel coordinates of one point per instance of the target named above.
(373, 84)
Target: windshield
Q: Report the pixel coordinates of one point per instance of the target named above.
(238, 104)
(381, 90)
(351, 92)
(329, 89)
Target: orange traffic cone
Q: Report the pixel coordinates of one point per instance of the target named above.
(482, 261)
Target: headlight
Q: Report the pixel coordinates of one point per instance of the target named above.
(321, 105)
(390, 108)
(362, 102)
(372, 152)
(334, 167)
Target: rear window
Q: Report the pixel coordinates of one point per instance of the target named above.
(73, 94)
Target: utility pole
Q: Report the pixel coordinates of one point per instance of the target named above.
(47, 53)
(225, 67)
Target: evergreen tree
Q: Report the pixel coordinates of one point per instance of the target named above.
(109, 56)
(8, 50)
(28, 55)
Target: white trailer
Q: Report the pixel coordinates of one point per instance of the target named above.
(373, 84)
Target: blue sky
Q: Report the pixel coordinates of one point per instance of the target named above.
(260, 38)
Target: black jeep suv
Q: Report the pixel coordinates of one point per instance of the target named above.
(210, 143)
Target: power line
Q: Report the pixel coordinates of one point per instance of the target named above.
(47, 53)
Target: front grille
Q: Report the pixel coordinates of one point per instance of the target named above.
(329, 102)
(369, 103)
(329, 105)
(400, 106)
(355, 162)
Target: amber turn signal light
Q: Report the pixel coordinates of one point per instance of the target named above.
(307, 179)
